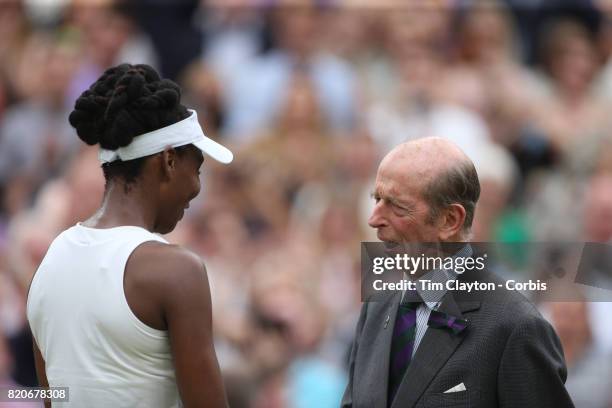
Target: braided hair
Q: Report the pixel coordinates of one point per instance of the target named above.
(126, 101)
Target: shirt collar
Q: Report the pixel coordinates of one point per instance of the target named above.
(432, 298)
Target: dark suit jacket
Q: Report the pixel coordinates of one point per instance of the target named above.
(508, 356)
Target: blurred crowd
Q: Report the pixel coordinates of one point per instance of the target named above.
(310, 96)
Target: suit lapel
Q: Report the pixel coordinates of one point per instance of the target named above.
(435, 349)
(379, 350)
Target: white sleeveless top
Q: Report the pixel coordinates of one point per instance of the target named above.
(89, 337)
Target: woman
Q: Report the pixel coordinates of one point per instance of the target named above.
(118, 315)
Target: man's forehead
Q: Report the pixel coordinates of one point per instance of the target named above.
(385, 187)
(405, 173)
(396, 186)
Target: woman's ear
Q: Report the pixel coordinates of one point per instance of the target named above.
(168, 163)
(451, 223)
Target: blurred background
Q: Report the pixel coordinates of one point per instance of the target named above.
(310, 96)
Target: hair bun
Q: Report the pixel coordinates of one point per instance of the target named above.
(126, 101)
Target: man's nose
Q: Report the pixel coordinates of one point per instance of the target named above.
(377, 218)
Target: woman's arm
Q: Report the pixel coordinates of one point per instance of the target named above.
(187, 310)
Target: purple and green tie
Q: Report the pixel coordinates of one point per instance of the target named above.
(402, 345)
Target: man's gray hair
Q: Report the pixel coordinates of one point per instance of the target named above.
(457, 185)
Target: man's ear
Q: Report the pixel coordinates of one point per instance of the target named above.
(168, 163)
(451, 223)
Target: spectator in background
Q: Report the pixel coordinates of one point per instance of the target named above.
(433, 101)
(570, 112)
(549, 197)
(60, 203)
(416, 66)
(597, 224)
(339, 272)
(35, 138)
(257, 93)
(486, 47)
(588, 381)
(203, 91)
(290, 314)
(235, 35)
(433, 96)
(297, 152)
(360, 36)
(485, 37)
(598, 208)
(14, 30)
(108, 36)
(494, 220)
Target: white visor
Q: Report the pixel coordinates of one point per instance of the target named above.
(186, 131)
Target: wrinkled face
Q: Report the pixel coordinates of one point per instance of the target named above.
(182, 184)
(401, 215)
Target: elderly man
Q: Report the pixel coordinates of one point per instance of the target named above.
(500, 352)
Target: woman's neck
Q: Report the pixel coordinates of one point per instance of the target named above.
(124, 205)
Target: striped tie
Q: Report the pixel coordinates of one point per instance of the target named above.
(402, 345)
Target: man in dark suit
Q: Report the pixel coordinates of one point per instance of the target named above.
(498, 351)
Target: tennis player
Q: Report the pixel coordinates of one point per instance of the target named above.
(119, 316)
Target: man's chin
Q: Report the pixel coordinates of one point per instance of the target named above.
(392, 247)
(410, 248)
